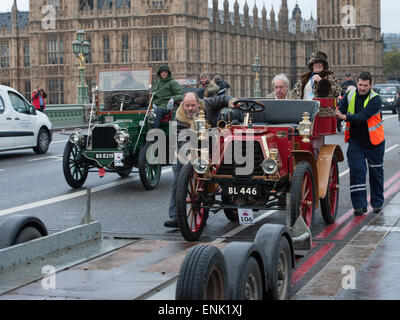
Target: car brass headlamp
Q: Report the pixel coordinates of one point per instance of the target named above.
(269, 166)
(122, 138)
(305, 127)
(201, 165)
(200, 122)
(75, 136)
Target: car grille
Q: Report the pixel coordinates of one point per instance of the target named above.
(103, 137)
(229, 168)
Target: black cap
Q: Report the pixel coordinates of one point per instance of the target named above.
(348, 74)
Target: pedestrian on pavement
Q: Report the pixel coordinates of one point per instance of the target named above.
(222, 84)
(38, 97)
(185, 116)
(349, 82)
(281, 84)
(163, 90)
(319, 82)
(211, 89)
(360, 108)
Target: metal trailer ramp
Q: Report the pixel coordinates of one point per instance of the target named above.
(37, 259)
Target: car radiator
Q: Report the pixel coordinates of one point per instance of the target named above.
(229, 164)
(103, 138)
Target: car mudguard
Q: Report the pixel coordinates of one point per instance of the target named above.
(236, 255)
(324, 166)
(10, 228)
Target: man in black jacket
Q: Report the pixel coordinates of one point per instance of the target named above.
(185, 116)
(223, 85)
(349, 82)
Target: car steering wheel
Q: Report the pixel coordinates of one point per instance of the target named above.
(250, 105)
(123, 98)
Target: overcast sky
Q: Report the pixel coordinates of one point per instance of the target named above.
(390, 9)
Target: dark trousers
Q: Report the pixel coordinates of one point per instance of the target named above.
(358, 158)
(160, 113)
(176, 168)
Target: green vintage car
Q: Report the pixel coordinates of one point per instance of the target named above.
(116, 138)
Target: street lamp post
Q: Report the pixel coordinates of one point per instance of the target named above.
(257, 70)
(81, 49)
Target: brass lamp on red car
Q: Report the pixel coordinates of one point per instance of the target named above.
(305, 127)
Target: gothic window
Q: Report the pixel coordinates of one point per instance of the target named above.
(348, 54)
(55, 91)
(158, 46)
(27, 92)
(125, 48)
(84, 3)
(27, 61)
(309, 51)
(55, 51)
(89, 58)
(293, 54)
(106, 49)
(4, 55)
(54, 3)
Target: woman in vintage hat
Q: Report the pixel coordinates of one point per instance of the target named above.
(319, 82)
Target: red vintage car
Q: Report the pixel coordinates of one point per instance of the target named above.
(265, 154)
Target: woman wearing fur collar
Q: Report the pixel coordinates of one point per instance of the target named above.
(319, 82)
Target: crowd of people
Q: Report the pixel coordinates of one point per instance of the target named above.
(359, 107)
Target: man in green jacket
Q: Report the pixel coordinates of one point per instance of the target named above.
(163, 90)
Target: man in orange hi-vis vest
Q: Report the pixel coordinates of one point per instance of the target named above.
(361, 109)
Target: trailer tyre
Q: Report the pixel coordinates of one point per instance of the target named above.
(203, 275)
(250, 284)
(279, 269)
(20, 228)
(27, 234)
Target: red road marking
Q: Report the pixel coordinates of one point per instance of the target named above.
(310, 262)
(307, 265)
(357, 220)
(329, 230)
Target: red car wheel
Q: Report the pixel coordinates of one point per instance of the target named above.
(303, 194)
(190, 196)
(329, 204)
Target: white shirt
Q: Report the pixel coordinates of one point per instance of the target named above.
(307, 91)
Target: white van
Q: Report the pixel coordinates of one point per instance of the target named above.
(21, 126)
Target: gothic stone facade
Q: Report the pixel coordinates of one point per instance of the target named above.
(187, 35)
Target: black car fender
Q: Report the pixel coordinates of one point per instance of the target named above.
(11, 227)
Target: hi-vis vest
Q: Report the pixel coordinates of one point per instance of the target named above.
(375, 123)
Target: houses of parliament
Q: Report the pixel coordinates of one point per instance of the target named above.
(188, 36)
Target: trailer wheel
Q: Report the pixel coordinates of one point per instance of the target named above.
(279, 269)
(20, 228)
(303, 194)
(251, 283)
(27, 234)
(329, 204)
(202, 275)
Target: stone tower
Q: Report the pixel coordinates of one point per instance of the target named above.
(349, 31)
